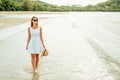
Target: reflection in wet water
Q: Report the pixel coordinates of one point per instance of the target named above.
(35, 76)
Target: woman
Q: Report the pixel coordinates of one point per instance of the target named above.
(34, 42)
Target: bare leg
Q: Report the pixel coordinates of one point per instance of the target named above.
(33, 61)
(37, 60)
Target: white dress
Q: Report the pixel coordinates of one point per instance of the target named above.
(34, 46)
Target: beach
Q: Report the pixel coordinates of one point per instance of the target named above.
(74, 41)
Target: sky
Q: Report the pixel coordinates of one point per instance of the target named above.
(74, 2)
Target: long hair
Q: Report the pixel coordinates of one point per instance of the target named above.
(32, 19)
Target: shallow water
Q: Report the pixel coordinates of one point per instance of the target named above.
(80, 48)
(102, 30)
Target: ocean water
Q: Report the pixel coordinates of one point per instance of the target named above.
(81, 45)
(102, 31)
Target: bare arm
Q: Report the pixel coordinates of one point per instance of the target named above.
(41, 37)
(28, 39)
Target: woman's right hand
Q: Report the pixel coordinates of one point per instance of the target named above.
(27, 47)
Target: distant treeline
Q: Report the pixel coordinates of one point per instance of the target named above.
(29, 5)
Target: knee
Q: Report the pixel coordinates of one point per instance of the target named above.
(37, 57)
(33, 59)
(32, 56)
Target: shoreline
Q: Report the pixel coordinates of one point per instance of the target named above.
(5, 22)
(43, 12)
(31, 12)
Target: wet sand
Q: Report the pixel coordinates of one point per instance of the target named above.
(11, 22)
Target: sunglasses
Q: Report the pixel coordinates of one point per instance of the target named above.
(35, 20)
